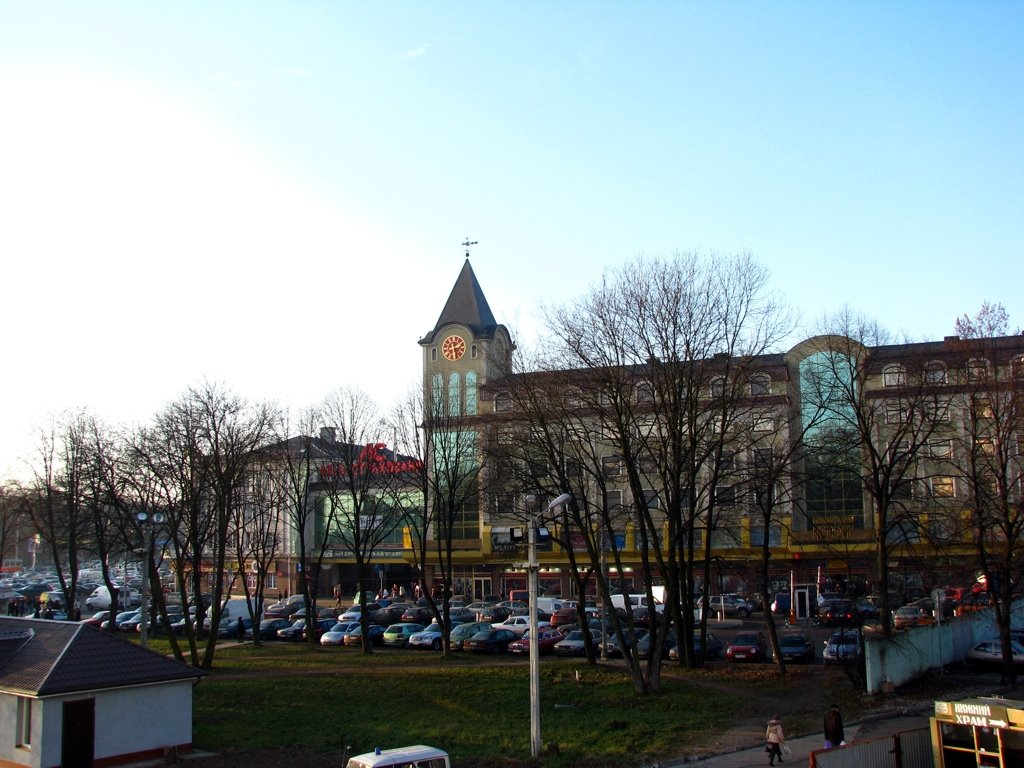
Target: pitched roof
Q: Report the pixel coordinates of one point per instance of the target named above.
(44, 658)
(467, 306)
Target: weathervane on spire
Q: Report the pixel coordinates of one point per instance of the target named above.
(467, 245)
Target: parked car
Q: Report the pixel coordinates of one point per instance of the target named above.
(354, 612)
(796, 647)
(990, 653)
(643, 644)
(495, 614)
(336, 634)
(229, 629)
(715, 648)
(267, 629)
(460, 633)
(747, 646)
(97, 619)
(397, 635)
(293, 631)
(490, 641)
(355, 637)
(574, 644)
(547, 637)
(518, 624)
(845, 644)
(564, 617)
(731, 605)
(431, 637)
(911, 616)
(131, 623)
(841, 613)
(322, 627)
(614, 646)
(418, 614)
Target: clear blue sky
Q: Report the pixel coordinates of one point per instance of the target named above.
(273, 194)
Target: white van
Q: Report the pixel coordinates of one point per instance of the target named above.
(635, 601)
(552, 604)
(418, 756)
(99, 600)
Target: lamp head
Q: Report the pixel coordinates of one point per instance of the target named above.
(563, 499)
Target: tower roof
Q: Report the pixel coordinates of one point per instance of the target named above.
(467, 306)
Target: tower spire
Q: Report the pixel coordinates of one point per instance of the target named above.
(467, 244)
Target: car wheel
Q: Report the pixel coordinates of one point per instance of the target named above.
(743, 613)
(436, 645)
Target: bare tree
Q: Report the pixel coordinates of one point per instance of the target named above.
(356, 487)
(991, 368)
(668, 347)
(879, 414)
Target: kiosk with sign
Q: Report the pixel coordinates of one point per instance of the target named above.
(978, 732)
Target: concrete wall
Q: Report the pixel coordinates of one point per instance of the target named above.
(912, 652)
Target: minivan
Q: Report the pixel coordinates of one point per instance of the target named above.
(418, 756)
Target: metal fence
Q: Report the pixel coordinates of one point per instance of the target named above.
(908, 749)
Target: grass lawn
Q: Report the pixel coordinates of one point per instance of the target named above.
(477, 709)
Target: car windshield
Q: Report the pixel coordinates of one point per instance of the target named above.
(792, 640)
(744, 639)
(574, 635)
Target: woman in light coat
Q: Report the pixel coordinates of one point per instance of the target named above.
(776, 738)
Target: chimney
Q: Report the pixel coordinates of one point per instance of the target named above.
(329, 434)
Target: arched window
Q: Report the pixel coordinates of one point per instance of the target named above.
(760, 385)
(718, 387)
(471, 393)
(894, 376)
(433, 354)
(473, 351)
(935, 372)
(454, 394)
(502, 402)
(977, 369)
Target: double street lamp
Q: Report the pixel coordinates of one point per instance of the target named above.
(533, 566)
(148, 523)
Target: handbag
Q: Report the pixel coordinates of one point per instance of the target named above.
(786, 749)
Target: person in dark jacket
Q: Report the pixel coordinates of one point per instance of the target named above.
(240, 629)
(834, 736)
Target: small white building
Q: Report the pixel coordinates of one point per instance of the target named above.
(75, 695)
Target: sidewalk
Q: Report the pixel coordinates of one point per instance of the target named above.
(802, 746)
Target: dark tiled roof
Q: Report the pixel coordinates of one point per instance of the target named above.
(43, 658)
(467, 306)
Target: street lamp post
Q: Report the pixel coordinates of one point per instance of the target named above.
(147, 522)
(534, 566)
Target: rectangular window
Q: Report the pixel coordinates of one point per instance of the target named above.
(763, 424)
(611, 465)
(651, 499)
(943, 487)
(940, 449)
(24, 725)
(502, 402)
(894, 413)
(613, 500)
(725, 495)
(774, 535)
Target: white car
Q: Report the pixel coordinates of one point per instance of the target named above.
(990, 652)
(336, 634)
(519, 624)
(430, 637)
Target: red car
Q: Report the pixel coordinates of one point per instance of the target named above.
(547, 637)
(747, 646)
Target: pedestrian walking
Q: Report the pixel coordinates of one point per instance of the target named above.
(240, 629)
(776, 738)
(834, 736)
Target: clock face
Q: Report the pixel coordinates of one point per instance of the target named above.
(453, 347)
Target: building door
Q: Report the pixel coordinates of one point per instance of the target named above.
(802, 597)
(79, 729)
(481, 587)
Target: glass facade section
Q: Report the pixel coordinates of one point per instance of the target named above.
(827, 390)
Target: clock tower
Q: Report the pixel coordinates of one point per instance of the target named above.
(466, 349)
